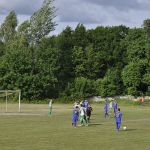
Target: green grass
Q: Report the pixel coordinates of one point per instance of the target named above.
(40, 132)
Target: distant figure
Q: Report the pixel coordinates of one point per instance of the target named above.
(83, 116)
(75, 115)
(86, 104)
(110, 108)
(106, 109)
(142, 100)
(110, 105)
(118, 119)
(88, 113)
(50, 107)
(115, 106)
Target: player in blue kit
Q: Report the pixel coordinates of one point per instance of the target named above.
(106, 109)
(118, 118)
(75, 116)
(115, 106)
(86, 104)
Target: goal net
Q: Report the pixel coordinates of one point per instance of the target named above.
(7, 97)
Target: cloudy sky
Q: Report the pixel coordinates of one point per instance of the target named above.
(91, 13)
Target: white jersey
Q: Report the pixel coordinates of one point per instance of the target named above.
(50, 103)
(110, 105)
(82, 111)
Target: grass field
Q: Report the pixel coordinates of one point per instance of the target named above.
(32, 129)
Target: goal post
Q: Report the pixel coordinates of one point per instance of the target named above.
(6, 93)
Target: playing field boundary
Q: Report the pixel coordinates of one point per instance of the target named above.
(19, 114)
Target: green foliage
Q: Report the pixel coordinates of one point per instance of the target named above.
(41, 23)
(8, 28)
(78, 55)
(64, 44)
(132, 76)
(83, 87)
(75, 64)
(2, 49)
(80, 36)
(79, 89)
(16, 74)
(146, 80)
(146, 26)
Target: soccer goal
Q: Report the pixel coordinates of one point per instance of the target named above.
(6, 95)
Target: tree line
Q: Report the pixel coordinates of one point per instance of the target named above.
(76, 63)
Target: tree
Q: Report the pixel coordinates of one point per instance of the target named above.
(65, 46)
(2, 49)
(146, 26)
(79, 58)
(146, 80)
(137, 50)
(8, 28)
(111, 84)
(92, 63)
(41, 22)
(80, 36)
(23, 31)
(81, 88)
(132, 76)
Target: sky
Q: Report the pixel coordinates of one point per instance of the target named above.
(91, 13)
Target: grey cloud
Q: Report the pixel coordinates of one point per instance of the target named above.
(78, 11)
(123, 5)
(23, 7)
(82, 16)
(102, 12)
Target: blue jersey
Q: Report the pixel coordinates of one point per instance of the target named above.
(115, 106)
(75, 115)
(106, 107)
(118, 117)
(86, 104)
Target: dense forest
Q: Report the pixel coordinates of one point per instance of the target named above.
(77, 63)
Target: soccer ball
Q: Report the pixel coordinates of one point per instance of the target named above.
(124, 128)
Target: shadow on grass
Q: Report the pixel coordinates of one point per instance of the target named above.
(92, 118)
(94, 124)
(131, 129)
(93, 114)
(128, 130)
